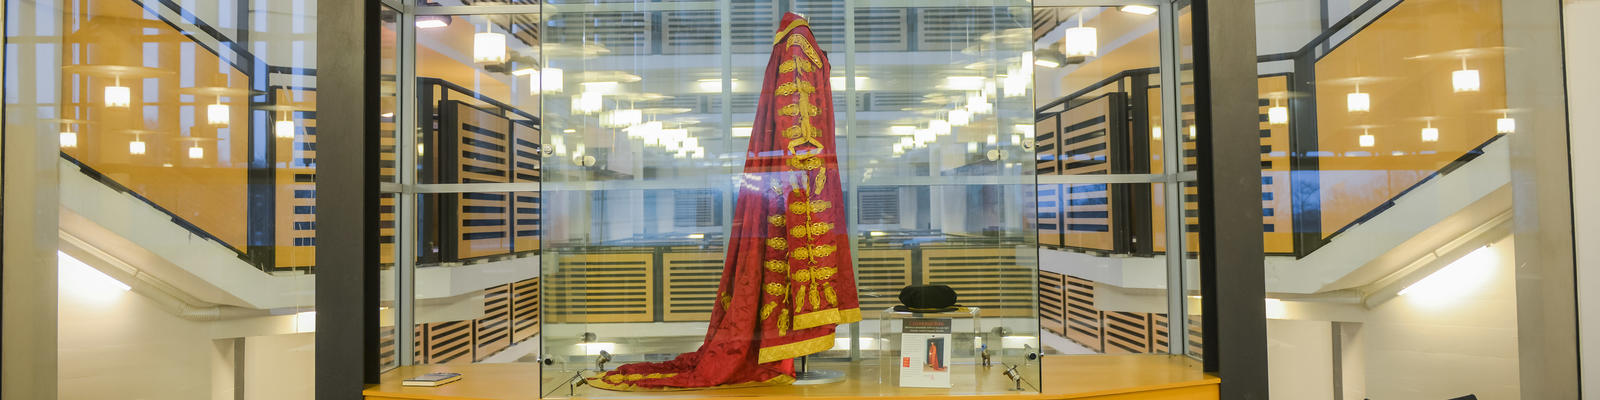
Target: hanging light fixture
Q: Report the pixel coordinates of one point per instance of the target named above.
(489, 47)
(960, 117)
(284, 128)
(979, 104)
(1465, 80)
(118, 96)
(939, 127)
(1429, 133)
(1357, 101)
(136, 147)
(550, 80)
(1080, 41)
(69, 139)
(586, 103)
(196, 152)
(1138, 9)
(1367, 140)
(621, 118)
(1155, 132)
(1505, 124)
(1277, 115)
(217, 114)
(432, 21)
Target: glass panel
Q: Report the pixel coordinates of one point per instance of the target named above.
(185, 213)
(478, 86)
(1400, 148)
(477, 278)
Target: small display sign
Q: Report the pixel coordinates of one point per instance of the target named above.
(925, 353)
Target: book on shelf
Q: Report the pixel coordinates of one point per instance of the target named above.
(431, 380)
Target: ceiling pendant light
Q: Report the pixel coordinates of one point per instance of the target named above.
(1277, 115)
(550, 80)
(1367, 140)
(1465, 80)
(196, 152)
(979, 104)
(432, 21)
(1505, 124)
(960, 117)
(586, 103)
(1357, 101)
(284, 128)
(69, 139)
(939, 127)
(488, 47)
(1430, 133)
(1080, 41)
(1016, 84)
(118, 96)
(621, 118)
(217, 114)
(136, 147)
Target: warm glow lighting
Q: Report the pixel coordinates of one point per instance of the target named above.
(964, 82)
(420, 153)
(960, 117)
(923, 137)
(1357, 101)
(586, 103)
(1277, 115)
(1080, 41)
(1016, 85)
(939, 127)
(432, 21)
(118, 96)
(82, 281)
(524, 71)
(877, 233)
(742, 131)
(1047, 63)
(1155, 132)
(305, 321)
(551, 80)
(1430, 133)
(979, 104)
(1192, 132)
(1367, 140)
(907, 141)
(972, 147)
(1505, 124)
(594, 349)
(902, 130)
(1275, 309)
(1139, 9)
(217, 114)
(1465, 80)
(1455, 281)
(898, 149)
(602, 87)
(837, 82)
(69, 139)
(709, 85)
(196, 152)
(621, 118)
(697, 236)
(136, 147)
(489, 48)
(283, 129)
(991, 140)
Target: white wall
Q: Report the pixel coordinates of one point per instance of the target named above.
(1583, 97)
(1307, 347)
(117, 344)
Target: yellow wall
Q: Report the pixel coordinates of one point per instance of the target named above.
(1406, 59)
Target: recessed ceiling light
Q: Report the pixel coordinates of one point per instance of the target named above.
(1139, 9)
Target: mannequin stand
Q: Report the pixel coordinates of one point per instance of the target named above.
(806, 376)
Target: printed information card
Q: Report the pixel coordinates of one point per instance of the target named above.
(925, 353)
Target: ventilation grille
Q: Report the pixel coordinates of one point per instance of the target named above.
(691, 284)
(879, 206)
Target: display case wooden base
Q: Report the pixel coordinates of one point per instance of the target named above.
(1096, 377)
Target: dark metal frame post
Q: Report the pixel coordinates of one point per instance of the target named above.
(347, 198)
(1231, 260)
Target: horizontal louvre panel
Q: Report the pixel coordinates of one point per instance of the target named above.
(492, 332)
(600, 287)
(989, 278)
(880, 274)
(524, 309)
(1052, 302)
(691, 284)
(1083, 319)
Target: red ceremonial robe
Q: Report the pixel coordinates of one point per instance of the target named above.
(787, 280)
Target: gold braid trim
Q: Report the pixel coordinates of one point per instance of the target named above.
(778, 266)
(777, 220)
(811, 207)
(788, 88)
(805, 162)
(727, 301)
(775, 289)
(766, 310)
(816, 300)
(799, 131)
(787, 351)
(801, 276)
(822, 180)
(781, 379)
(789, 66)
(811, 231)
(805, 46)
(796, 109)
(833, 298)
(783, 322)
(778, 38)
(816, 318)
(778, 243)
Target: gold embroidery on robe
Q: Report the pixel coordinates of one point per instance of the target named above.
(805, 162)
(811, 207)
(822, 180)
(778, 266)
(788, 88)
(778, 243)
(790, 65)
(801, 276)
(816, 300)
(766, 311)
(783, 322)
(775, 289)
(777, 220)
(727, 301)
(833, 298)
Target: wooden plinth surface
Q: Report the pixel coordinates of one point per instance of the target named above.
(1098, 377)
